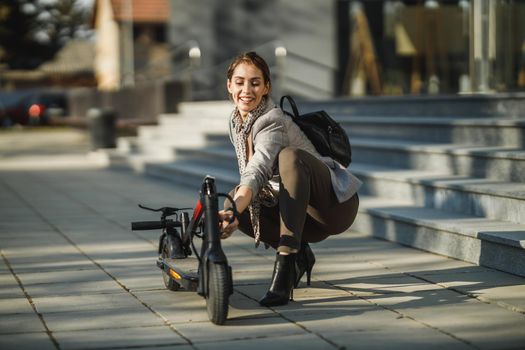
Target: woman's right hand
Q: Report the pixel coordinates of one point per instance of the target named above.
(227, 227)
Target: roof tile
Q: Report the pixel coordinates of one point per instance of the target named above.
(151, 11)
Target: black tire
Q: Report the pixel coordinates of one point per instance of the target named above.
(169, 282)
(218, 293)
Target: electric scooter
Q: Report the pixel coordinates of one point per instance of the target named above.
(207, 272)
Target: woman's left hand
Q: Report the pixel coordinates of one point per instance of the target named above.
(227, 227)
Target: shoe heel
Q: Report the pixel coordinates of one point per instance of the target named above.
(291, 294)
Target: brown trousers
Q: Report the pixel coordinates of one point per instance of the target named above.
(308, 208)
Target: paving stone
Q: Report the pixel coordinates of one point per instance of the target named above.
(11, 291)
(338, 269)
(410, 338)
(76, 276)
(243, 308)
(87, 302)
(388, 284)
(177, 307)
(493, 286)
(485, 325)
(139, 279)
(128, 262)
(68, 282)
(26, 341)
(41, 250)
(84, 307)
(15, 305)
(239, 329)
(303, 341)
(356, 323)
(121, 317)
(133, 337)
(7, 278)
(510, 297)
(66, 262)
(261, 277)
(20, 323)
(178, 347)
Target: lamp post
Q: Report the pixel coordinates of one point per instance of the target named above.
(280, 58)
(185, 58)
(128, 56)
(483, 44)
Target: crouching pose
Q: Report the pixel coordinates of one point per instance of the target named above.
(288, 195)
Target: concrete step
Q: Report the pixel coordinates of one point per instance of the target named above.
(491, 199)
(449, 183)
(136, 162)
(191, 174)
(188, 124)
(182, 128)
(219, 108)
(193, 118)
(510, 105)
(218, 139)
(468, 131)
(502, 163)
(493, 162)
(486, 242)
(221, 138)
(127, 145)
(479, 197)
(167, 121)
(220, 157)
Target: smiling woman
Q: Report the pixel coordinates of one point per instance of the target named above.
(248, 83)
(288, 195)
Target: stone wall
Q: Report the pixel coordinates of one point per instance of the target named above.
(144, 101)
(225, 28)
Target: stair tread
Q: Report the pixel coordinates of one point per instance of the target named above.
(477, 227)
(433, 209)
(504, 152)
(424, 177)
(497, 231)
(485, 186)
(199, 169)
(456, 121)
(442, 148)
(427, 177)
(222, 151)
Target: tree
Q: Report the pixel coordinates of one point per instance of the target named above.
(62, 21)
(32, 31)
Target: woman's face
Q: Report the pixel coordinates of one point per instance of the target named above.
(247, 87)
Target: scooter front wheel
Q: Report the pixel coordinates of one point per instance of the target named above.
(219, 286)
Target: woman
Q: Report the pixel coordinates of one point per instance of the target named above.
(288, 194)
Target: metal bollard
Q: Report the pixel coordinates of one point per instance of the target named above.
(102, 127)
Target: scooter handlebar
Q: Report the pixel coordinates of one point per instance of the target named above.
(153, 225)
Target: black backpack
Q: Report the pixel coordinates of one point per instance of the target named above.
(328, 137)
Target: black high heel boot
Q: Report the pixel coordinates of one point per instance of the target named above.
(304, 263)
(281, 288)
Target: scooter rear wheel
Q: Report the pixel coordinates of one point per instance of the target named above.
(217, 299)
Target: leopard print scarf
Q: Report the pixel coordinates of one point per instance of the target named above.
(242, 132)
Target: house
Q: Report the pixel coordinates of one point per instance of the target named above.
(71, 66)
(131, 43)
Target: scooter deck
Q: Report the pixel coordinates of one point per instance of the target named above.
(183, 271)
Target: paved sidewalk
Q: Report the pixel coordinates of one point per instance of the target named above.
(73, 276)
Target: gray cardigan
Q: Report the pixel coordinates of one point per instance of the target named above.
(272, 132)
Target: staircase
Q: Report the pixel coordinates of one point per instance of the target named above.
(446, 175)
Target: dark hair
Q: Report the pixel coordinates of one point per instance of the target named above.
(251, 58)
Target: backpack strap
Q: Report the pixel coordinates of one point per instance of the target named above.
(292, 103)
